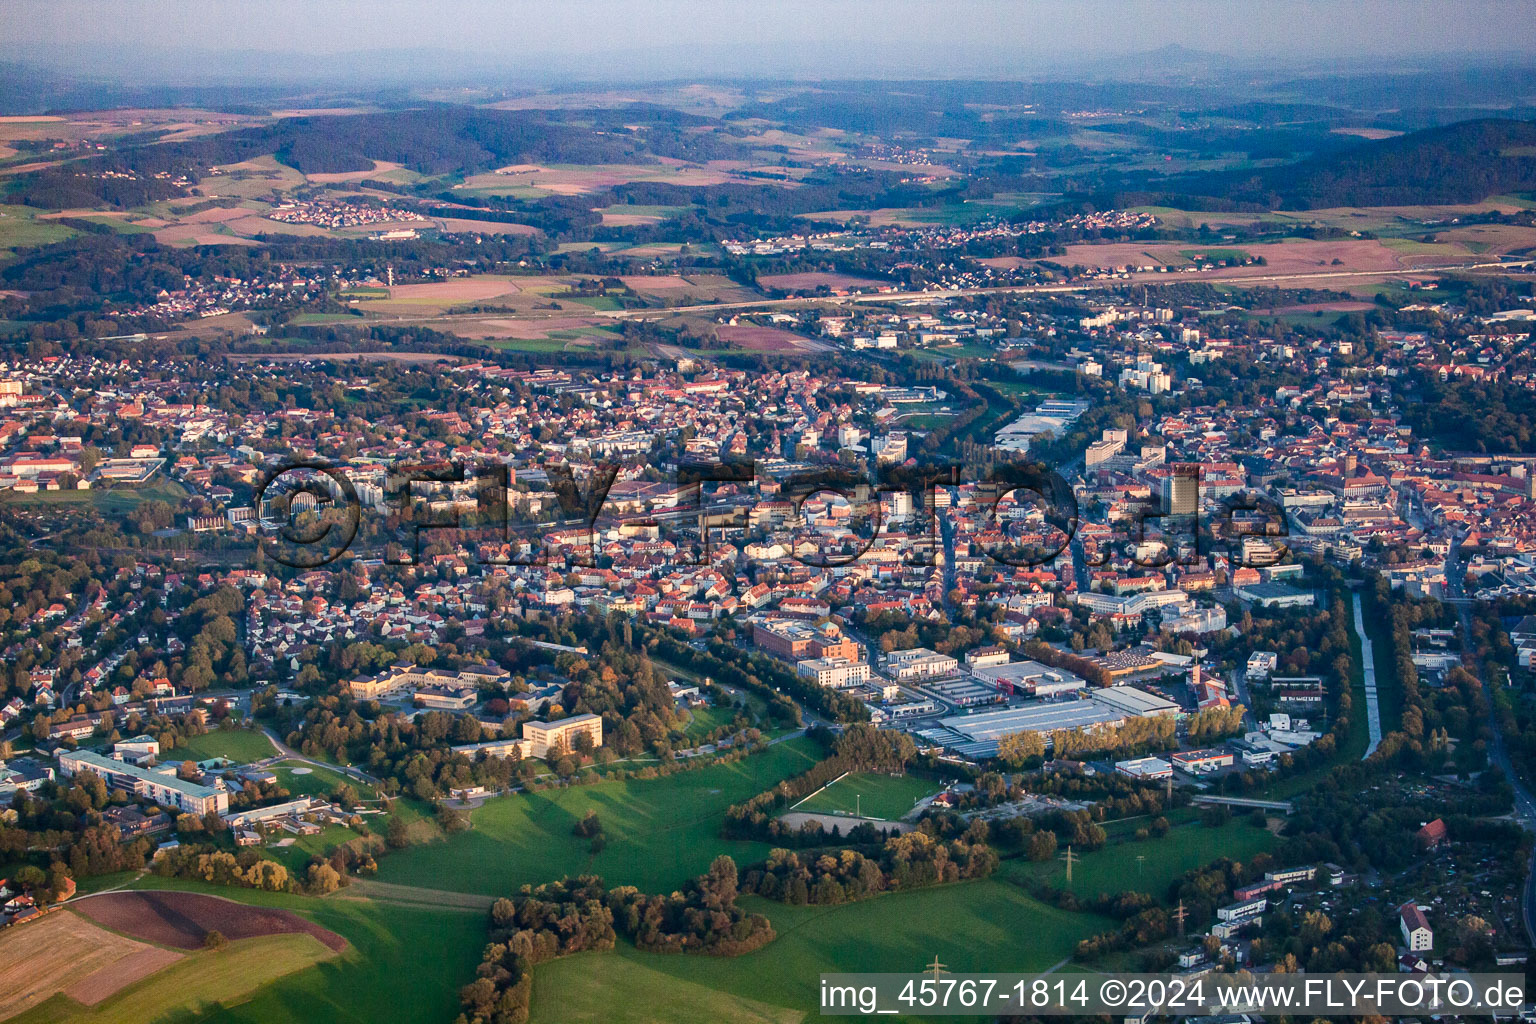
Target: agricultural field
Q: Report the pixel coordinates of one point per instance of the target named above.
(754, 338)
(636, 213)
(886, 797)
(195, 984)
(660, 832)
(386, 942)
(65, 953)
(809, 282)
(21, 227)
(1115, 867)
(135, 956)
(973, 926)
(531, 181)
(1297, 255)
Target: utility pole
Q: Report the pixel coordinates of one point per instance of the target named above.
(1070, 858)
(937, 968)
(1141, 859)
(1179, 916)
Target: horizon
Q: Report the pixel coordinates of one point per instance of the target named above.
(610, 40)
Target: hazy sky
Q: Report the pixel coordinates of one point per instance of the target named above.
(696, 36)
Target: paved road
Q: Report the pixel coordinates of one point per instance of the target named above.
(1368, 668)
(287, 753)
(1283, 806)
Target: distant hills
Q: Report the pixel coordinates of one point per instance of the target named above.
(1457, 163)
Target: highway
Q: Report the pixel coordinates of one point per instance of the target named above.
(1099, 284)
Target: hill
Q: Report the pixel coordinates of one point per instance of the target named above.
(430, 140)
(1458, 163)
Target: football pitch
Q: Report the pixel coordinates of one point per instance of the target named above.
(886, 797)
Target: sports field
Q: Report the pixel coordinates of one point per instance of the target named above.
(302, 779)
(886, 797)
(661, 832)
(973, 926)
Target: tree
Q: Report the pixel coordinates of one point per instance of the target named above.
(215, 940)
(395, 833)
(323, 879)
(1018, 749)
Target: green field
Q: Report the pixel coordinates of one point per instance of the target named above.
(20, 228)
(642, 210)
(1413, 247)
(661, 832)
(201, 982)
(404, 965)
(240, 745)
(115, 501)
(974, 926)
(875, 796)
(603, 302)
(317, 781)
(704, 720)
(1114, 868)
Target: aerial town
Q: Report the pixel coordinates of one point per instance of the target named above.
(575, 533)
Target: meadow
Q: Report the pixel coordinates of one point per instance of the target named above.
(972, 926)
(404, 964)
(20, 228)
(1115, 868)
(113, 501)
(240, 745)
(660, 832)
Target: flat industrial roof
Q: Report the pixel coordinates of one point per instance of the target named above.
(1133, 701)
(1042, 716)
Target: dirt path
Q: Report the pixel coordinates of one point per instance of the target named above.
(389, 892)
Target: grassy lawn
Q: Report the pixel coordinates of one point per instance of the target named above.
(974, 926)
(1389, 689)
(239, 745)
(1359, 719)
(316, 781)
(875, 796)
(661, 832)
(202, 981)
(115, 500)
(704, 720)
(405, 964)
(1114, 868)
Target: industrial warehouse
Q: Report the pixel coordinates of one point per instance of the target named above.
(976, 735)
